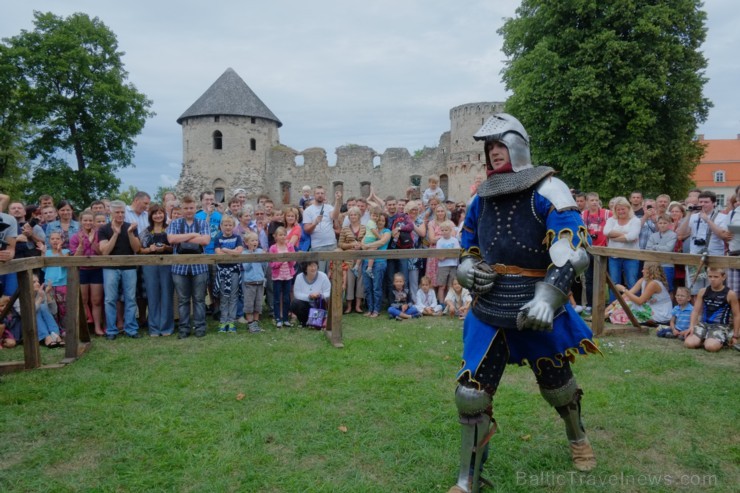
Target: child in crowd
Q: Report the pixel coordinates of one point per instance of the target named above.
(253, 284)
(457, 301)
(56, 277)
(664, 240)
(433, 191)
(401, 307)
(447, 266)
(371, 236)
(46, 307)
(227, 243)
(8, 339)
(715, 306)
(282, 279)
(306, 198)
(426, 300)
(680, 317)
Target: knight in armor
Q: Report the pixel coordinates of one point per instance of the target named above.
(523, 244)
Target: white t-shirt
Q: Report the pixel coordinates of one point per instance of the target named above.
(631, 231)
(323, 235)
(452, 242)
(699, 228)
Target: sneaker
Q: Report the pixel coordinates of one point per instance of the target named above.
(578, 308)
(586, 311)
(287, 324)
(399, 319)
(242, 320)
(279, 324)
(355, 271)
(223, 328)
(254, 328)
(231, 328)
(369, 273)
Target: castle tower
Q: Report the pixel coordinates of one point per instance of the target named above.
(466, 159)
(227, 135)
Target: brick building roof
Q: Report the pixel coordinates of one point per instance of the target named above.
(230, 95)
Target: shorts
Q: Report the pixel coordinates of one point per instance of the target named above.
(91, 276)
(445, 275)
(253, 294)
(720, 332)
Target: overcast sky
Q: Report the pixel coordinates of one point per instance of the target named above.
(381, 73)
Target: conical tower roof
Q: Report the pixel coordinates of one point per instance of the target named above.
(230, 95)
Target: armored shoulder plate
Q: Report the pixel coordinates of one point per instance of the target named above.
(558, 193)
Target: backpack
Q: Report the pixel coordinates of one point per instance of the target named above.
(405, 239)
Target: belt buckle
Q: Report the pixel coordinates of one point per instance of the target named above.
(500, 269)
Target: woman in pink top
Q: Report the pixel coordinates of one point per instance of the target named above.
(282, 279)
(292, 226)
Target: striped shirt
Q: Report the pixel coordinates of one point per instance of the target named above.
(180, 226)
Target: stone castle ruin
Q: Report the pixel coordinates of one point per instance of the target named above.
(231, 140)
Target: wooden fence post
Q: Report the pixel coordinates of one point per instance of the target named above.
(598, 304)
(334, 322)
(31, 351)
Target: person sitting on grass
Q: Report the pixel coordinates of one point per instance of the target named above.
(715, 305)
(649, 298)
(426, 300)
(457, 301)
(46, 307)
(401, 307)
(9, 324)
(680, 317)
(310, 287)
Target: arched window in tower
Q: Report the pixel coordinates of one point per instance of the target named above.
(219, 195)
(444, 184)
(285, 191)
(218, 140)
(365, 189)
(253, 144)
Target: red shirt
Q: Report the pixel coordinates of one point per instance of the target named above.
(595, 224)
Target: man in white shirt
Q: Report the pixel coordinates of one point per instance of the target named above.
(318, 222)
(733, 245)
(706, 233)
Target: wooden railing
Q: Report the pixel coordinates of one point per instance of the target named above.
(78, 337)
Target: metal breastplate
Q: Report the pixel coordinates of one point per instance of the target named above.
(511, 233)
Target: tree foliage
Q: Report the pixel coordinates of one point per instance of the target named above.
(68, 84)
(610, 92)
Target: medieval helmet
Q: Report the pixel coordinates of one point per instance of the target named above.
(506, 129)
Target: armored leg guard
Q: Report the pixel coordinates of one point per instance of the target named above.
(567, 402)
(474, 407)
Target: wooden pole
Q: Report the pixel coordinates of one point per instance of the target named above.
(598, 303)
(31, 352)
(334, 322)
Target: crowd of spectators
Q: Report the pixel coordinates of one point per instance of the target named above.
(166, 300)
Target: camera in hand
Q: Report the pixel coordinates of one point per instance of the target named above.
(694, 208)
(593, 236)
(700, 242)
(33, 222)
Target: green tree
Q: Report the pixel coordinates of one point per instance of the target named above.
(126, 195)
(159, 195)
(610, 92)
(70, 87)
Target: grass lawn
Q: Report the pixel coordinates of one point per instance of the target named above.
(284, 411)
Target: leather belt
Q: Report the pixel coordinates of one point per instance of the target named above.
(517, 271)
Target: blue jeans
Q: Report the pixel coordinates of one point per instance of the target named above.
(45, 323)
(228, 302)
(10, 284)
(159, 289)
(281, 291)
(374, 286)
(395, 312)
(112, 280)
(619, 267)
(191, 287)
(670, 275)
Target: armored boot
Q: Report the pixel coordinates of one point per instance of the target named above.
(474, 408)
(567, 402)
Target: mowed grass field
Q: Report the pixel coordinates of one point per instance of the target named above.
(284, 411)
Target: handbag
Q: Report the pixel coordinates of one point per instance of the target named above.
(317, 315)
